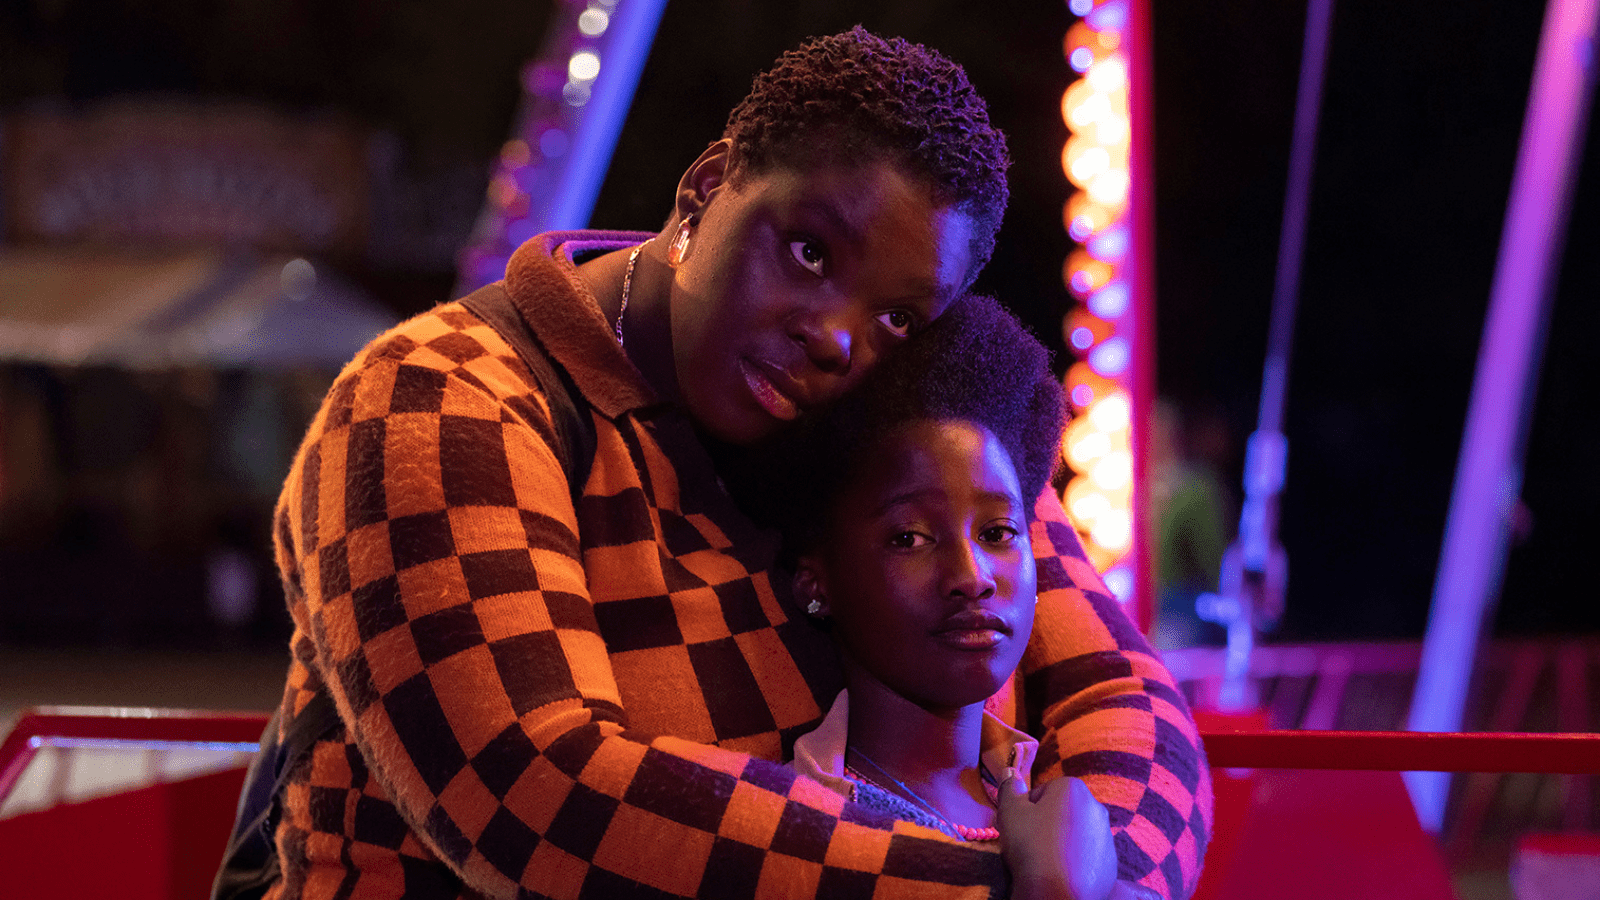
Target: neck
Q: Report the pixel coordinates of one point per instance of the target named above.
(933, 752)
(646, 323)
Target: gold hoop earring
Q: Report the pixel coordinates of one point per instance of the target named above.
(678, 250)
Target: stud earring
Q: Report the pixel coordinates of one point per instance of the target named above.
(814, 608)
(678, 250)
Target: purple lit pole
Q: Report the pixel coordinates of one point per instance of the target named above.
(576, 95)
(1489, 471)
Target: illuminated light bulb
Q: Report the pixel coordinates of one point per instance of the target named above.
(1082, 338)
(1097, 216)
(1111, 15)
(1109, 75)
(1113, 472)
(515, 154)
(1084, 274)
(1080, 7)
(1073, 99)
(1111, 301)
(1081, 59)
(1110, 358)
(1082, 395)
(553, 143)
(1111, 129)
(502, 190)
(1092, 109)
(593, 22)
(1108, 39)
(1085, 450)
(1112, 529)
(1090, 508)
(1110, 245)
(575, 94)
(1081, 228)
(585, 65)
(1110, 187)
(297, 278)
(1119, 581)
(1112, 413)
(1090, 165)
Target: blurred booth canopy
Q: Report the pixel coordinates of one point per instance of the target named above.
(156, 232)
(181, 308)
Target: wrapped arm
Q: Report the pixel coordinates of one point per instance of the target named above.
(429, 544)
(1110, 713)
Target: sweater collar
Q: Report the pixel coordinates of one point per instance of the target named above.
(543, 283)
(819, 754)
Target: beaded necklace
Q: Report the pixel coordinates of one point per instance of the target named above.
(965, 832)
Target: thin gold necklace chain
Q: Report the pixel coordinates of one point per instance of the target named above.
(627, 285)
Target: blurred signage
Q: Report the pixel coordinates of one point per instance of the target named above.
(162, 173)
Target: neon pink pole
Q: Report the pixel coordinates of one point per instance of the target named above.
(1142, 287)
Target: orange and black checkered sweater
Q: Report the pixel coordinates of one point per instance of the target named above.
(542, 698)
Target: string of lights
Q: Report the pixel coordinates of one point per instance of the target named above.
(1102, 275)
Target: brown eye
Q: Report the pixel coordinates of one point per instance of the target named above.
(898, 321)
(808, 254)
(906, 540)
(998, 534)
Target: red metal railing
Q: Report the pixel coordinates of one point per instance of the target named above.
(1406, 751)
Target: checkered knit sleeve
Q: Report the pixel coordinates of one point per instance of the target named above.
(1112, 715)
(430, 549)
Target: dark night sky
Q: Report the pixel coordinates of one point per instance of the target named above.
(1419, 134)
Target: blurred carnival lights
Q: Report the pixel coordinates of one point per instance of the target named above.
(575, 96)
(1099, 444)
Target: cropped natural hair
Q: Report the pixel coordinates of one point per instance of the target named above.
(854, 96)
(976, 363)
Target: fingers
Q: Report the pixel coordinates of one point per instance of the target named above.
(1011, 781)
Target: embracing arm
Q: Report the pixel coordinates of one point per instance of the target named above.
(430, 549)
(1112, 715)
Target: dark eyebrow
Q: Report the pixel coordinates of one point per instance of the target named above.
(900, 500)
(913, 496)
(836, 218)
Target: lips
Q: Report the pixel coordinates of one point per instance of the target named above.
(774, 390)
(973, 629)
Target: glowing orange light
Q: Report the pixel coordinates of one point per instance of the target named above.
(1084, 274)
(1097, 444)
(515, 154)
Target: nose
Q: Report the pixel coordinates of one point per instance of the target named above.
(969, 572)
(827, 335)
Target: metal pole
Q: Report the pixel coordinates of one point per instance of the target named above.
(1255, 568)
(1489, 471)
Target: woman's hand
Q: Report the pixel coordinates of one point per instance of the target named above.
(1057, 841)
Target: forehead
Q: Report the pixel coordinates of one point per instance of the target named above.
(955, 458)
(874, 211)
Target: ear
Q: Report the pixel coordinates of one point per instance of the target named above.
(702, 179)
(809, 588)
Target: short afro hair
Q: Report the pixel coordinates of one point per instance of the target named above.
(976, 363)
(855, 96)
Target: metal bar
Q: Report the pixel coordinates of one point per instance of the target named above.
(43, 725)
(1255, 567)
(1296, 215)
(1489, 471)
